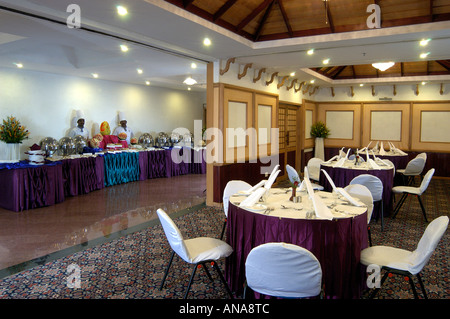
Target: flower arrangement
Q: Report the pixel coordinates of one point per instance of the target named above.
(319, 129)
(11, 131)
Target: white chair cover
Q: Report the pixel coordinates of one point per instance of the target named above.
(403, 259)
(416, 190)
(414, 167)
(231, 188)
(373, 183)
(314, 168)
(364, 195)
(192, 250)
(283, 270)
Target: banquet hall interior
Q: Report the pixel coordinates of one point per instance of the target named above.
(238, 84)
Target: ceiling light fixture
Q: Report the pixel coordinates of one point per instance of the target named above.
(383, 66)
(206, 42)
(147, 82)
(19, 65)
(121, 10)
(326, 61)
(139, 71)
(310, 52)
(193, 65)
(124, 48)
(424, 55)
(189, 81)
(424, 42)
(292, 74)
(312, 81)
(95, 75)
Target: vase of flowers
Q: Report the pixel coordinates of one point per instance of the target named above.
(12, 133)
(319, 131)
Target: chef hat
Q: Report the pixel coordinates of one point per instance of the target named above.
(122, 117)
(80, 115)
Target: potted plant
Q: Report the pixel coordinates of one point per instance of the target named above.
(12, 133)
(319, 131)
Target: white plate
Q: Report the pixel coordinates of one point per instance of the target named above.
(256, 208)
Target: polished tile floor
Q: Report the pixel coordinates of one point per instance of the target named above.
(88, 218)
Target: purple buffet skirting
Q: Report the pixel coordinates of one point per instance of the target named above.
(337, 244)
(83, 175)
(343, 176)
(31, 187)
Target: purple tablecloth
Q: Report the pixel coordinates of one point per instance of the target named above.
(83, 175)
(31, 187)
(337, 244)
(342, 177)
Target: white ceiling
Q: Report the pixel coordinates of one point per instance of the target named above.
(164, 40)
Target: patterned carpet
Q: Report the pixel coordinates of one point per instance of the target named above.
(132, 266)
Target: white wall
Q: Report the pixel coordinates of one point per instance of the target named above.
(46, 104)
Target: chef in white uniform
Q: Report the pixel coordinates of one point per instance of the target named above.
(79, 129)
(123, 128)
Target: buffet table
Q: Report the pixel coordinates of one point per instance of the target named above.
(336, 243)
(24, 186)
(342, 177)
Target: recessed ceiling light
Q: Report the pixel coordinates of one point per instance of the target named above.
(189, 89)
(292, 74)
(424, 42)
(147, 82)
(383, 66)
(326, 61)
(95, 75)
(121, 10)
(310, 52)
(124, 48)
(424, 55)
(206, 42)
(312, 81)
(423, 83)
(189, 81)
(139, 71)
(193, 65)
(19, 65)
(361, 84)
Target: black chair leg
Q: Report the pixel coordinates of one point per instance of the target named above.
(167, 271)
(207, 271)
(375, 291)
(382, 215)
(369, 235)
(223, 229)
(423, 208)
(190, 281)
(399, 205)
(216, 267)
(422, 286)
(413, 287)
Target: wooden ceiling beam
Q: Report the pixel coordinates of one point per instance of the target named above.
(263, 20)
(253, 14)
(285, 18)
(227, 5)
(444, 63)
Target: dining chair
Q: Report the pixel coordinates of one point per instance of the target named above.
(294, 176)
(403, 262)
(198, 251)
(283, 270)
(231, 188)
(375, 185)
(364, 194)
(410, 190)
(313, 166)
(413, 168)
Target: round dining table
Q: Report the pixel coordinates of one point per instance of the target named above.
(336, 243)
(343, 175)
(400, 160)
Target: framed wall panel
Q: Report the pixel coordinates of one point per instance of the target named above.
(386, 122)
(266, 109)
(309, 117)
(338, 115)
(430, 127)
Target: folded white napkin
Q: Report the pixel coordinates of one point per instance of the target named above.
(322, 211)
(271, 180)
(332, 159)
(376, 146)
(382, 152)
(347, 196)
(368, 144)
(329, 180)
(346, 155)
(340, 162)
(342, 153)
(253, 198)
(400, 151)
(373, 164)
(260, 184)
